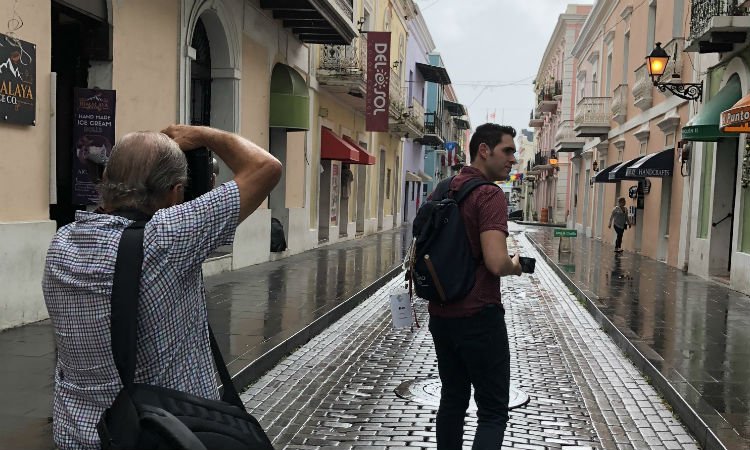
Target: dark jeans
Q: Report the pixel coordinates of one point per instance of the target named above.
(618, 241)
(472, 351)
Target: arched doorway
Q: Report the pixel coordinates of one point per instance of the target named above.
(210, 88)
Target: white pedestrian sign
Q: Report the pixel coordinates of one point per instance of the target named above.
(401, 309)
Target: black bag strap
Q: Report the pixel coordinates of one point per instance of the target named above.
(442, 189)
(469, 186)
(124, 322)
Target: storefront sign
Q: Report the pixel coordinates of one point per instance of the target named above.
(17, 81)
(736, 120)
(564, 232)
(93, 137)
(378, 80)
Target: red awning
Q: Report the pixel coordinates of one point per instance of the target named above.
(333, 147)
(364, 157)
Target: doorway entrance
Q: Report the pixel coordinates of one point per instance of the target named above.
(722, 217)
(81, 51)
(381, 190)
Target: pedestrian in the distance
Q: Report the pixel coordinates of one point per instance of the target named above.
(621, 220)
(471, 340)
(144, 180)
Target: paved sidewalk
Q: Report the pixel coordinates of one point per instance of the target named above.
(688, 334)
(259, 314)
(337, 391)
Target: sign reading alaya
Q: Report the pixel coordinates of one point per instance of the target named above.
(378, 80)
(17, 81)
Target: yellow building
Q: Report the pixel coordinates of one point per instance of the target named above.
(236, 65)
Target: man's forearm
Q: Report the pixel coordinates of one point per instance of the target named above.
(238, 153)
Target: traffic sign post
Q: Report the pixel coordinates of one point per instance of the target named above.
(564, 235)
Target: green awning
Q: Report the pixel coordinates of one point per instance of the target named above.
(704, 126)
(290, 101)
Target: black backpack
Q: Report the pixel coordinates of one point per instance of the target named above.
(153, 417)
(444, 267)
(278, 241)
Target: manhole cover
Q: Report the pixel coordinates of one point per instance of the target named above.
(427, 391)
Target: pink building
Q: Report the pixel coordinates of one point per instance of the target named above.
(555, 87)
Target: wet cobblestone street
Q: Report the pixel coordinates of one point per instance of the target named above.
(338, 390)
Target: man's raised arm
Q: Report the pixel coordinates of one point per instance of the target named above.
(256, 171)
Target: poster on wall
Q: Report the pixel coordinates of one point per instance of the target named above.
(378, 80)
(93, 137)
(17, 81)
(334, 193)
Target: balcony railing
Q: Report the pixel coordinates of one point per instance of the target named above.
(620, 103)
(416, 114)
(346, 7)
(566, 139)
(642, 96)
(703, 10)
(592, 116)
(396, 97)
(547, 97)
(535, 119)
(345, 59)
(432, 124)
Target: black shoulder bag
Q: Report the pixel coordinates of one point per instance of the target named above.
(153, 417)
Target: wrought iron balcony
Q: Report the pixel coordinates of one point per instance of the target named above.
(642, 94)
(411, 123)
(547, 97)
(566, 139)
(343, 68)
(536, 120)
(592, 116)
(433, 131)
(396, 97)
(620, 104)
(717, 25)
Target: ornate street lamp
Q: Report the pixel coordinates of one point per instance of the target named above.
(657, 63)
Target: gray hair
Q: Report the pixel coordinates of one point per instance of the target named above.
(143, 167)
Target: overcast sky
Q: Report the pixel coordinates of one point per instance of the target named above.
(493, 42)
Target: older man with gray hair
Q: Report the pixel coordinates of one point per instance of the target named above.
(144, 180)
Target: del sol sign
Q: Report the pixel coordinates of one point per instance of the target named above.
(378, 80)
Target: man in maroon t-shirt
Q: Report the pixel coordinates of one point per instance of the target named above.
(471, 341)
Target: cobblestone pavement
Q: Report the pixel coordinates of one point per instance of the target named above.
(337, 391)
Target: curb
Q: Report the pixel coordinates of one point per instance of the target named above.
(541, 224)
(685, 412)
(256, 369)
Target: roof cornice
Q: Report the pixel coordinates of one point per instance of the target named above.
(558, 34)
(599, 14)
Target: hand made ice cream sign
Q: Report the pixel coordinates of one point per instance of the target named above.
(378, 80)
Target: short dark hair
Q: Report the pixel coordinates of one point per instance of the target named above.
(621, 199)
(489, 133)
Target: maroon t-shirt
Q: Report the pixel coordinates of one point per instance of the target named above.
(483, 210)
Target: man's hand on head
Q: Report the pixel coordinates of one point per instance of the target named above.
(188, 137)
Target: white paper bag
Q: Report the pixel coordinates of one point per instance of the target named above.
(401, 309)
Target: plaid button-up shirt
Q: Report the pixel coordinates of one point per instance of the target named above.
(173, 345)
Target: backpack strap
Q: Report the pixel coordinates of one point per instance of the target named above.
(124, 321)
(469, 186)
(442, 189)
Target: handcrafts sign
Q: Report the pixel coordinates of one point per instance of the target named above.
(17, 81)
(378, 80)
(94, 135)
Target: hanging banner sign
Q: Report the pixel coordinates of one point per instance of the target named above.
(93, 137)
(17, 81)
(378, 80)
(450, 146)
